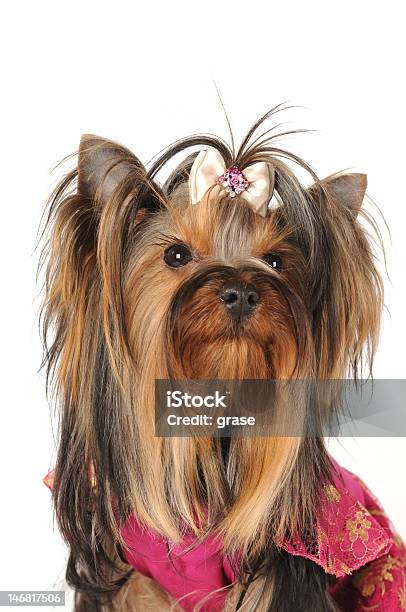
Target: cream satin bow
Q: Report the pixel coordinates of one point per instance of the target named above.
(209, 166)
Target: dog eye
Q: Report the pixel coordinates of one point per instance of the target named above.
(274, 260)
(177, 255)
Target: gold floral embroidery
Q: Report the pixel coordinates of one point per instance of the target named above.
(358, 527)
(347, 537)
(375, 575)
(331, 493)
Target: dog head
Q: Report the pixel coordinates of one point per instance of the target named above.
(215, 289)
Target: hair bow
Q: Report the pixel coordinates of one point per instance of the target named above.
(255, 184)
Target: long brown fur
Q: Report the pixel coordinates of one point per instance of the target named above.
(115, 318)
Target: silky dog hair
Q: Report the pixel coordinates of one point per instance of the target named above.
(116, 317)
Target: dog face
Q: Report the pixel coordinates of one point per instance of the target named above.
(219, 289)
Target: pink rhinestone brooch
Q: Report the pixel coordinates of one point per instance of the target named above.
(234, 181)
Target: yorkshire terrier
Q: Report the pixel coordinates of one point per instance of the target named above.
(233, 268)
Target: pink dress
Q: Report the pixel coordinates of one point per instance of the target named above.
(355, 542)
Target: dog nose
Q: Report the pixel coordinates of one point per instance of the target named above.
(240, 299)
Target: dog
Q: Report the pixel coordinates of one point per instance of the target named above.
(234, 268)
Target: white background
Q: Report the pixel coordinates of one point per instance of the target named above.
(142, 73)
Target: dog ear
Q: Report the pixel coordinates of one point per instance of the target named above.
(94, 213)
(348, 294)
(118, 189)
(104, 165)
(346, 189)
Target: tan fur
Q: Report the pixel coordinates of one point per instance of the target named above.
(144, 594)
